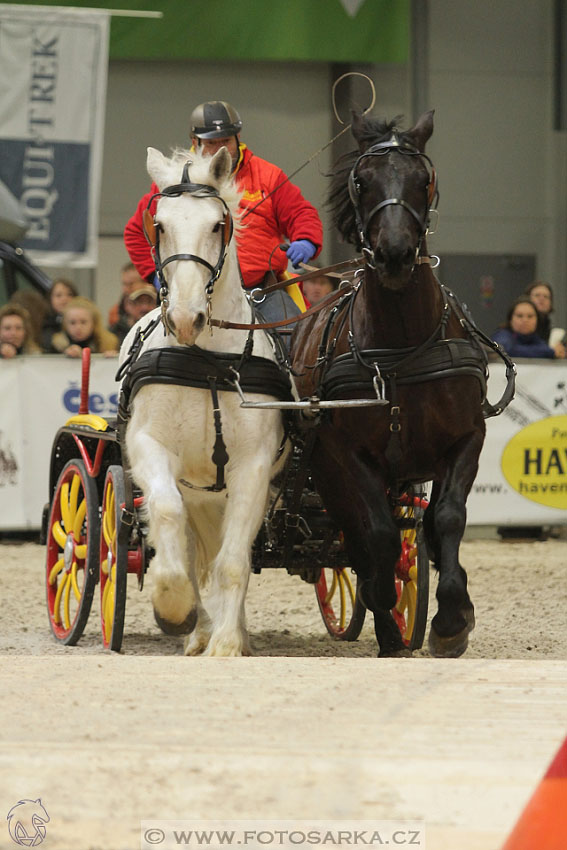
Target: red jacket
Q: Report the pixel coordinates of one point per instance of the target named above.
(284, 215)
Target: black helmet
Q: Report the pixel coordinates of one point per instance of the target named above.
(214, 120)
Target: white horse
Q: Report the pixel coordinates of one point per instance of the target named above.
(200, 537)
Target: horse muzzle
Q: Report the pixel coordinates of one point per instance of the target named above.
(185, 324)
(393, 263)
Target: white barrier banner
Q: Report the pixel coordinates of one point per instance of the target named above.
(54, 64)
(39, 394)
(522, 477)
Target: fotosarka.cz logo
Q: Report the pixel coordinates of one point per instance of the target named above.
(26, 823)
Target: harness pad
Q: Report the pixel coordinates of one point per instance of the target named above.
(194, 367)
(444, 359)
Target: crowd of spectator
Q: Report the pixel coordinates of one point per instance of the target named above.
(65, 322)
(528, 329)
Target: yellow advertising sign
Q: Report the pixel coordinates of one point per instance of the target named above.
(534, 462)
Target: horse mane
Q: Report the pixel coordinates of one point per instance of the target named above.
(370, 132)
(199, 173)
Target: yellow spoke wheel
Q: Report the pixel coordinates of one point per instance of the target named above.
(412, 581)
(113, 561)
(71, 552)
(342, 612)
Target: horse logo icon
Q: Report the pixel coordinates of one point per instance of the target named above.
(26, 823)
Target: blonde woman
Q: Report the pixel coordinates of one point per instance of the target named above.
(16, 335)
(82, 328)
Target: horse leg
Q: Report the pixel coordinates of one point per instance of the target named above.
(454, 620)
(358, 504)
(230, 571)
(205, 519)
(175, 594)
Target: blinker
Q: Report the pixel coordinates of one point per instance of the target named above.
(149, 227)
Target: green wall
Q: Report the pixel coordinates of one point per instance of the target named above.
(317, 30)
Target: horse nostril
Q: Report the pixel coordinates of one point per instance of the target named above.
(409, 256)
(200, 321)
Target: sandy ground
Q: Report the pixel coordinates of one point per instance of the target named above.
(519, 591)
(324, 731)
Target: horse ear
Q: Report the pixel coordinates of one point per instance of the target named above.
(156, 165)
(221, 165)
(422, 130)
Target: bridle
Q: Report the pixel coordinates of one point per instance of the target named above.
(152, 230)
(392, 145)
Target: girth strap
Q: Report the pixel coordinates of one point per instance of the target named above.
(220, 455)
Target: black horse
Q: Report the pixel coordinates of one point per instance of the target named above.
(403, 336)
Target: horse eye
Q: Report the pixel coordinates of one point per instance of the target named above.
(216, 227)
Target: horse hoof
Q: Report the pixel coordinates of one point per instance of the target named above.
(176, 629)
(448, 647)
(468, 614)
(396, 653)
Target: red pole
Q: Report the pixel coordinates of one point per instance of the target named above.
(85, 374)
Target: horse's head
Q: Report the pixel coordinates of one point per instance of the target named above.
(190, 233)
(390, 188)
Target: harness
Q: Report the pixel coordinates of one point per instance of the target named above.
(193, 366)
(384, 370)
(212, 370)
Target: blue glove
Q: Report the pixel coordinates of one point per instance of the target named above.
(300, 251)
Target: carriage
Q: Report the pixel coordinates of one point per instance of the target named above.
(325, 476)
(95, 536)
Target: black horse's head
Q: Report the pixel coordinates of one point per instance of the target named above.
(381, 195)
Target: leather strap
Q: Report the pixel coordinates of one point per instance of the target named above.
(265, 326)
(356, 263)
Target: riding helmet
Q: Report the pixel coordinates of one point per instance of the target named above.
(215, 119)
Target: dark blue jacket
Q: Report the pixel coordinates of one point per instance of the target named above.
(522, 345)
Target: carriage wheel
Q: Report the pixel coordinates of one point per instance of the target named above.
(412, 585)
(113, 561)
(72, 552)
(342, 611)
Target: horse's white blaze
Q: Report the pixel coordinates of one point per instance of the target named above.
(200, 538)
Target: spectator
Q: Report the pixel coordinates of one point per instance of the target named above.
(518, 334)
(61, 292)
(142, 299)
(272, 208)
(519, 338)
(16, 336)
(82, 328)
(129, 278)
(37, 306)
(318, 287)
(541, 294)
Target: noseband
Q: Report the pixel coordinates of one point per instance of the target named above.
(393, 145)
(152, 230)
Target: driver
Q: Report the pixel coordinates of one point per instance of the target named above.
(269, 219)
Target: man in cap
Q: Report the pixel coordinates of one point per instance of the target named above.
(273, 210)
(140, 301)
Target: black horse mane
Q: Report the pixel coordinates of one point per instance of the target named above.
(370, 132)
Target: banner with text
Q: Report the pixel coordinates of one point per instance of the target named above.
(522, 476)
(51, 126)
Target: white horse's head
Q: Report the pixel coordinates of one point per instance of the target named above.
(193, 228)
